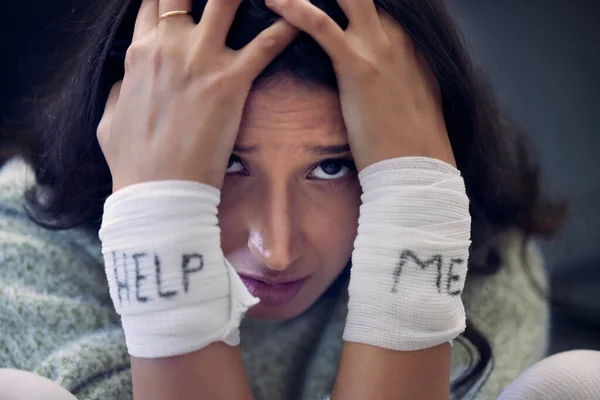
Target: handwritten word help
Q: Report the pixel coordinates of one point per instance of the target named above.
(127, 268)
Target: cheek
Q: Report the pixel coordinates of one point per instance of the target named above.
(333, 223)
(234, 232)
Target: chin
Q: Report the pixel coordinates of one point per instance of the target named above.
(278, 313)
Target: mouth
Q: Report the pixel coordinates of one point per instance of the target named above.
(273, 293)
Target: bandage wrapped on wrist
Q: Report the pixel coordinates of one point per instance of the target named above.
(167, 275)
(410, 256)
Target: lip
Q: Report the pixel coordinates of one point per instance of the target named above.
(270, 281)
(275, 293)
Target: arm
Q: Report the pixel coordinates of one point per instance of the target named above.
(170, 286)
(397, 336)
(180, 307)
(370, 372)
(215, 372)
(396, 341)
(190, 376)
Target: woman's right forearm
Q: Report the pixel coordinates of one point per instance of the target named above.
(180, 104)
(213, 373)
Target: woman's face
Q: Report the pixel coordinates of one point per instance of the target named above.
(288, 211)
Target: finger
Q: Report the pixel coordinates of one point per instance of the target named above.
(256, 55)
(312, 20)
(147, 18)
(216, 20)
(165, 6)
(361, 14)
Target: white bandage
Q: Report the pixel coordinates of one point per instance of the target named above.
(168, 278)
(410, 257)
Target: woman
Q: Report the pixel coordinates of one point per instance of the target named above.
(281, 125)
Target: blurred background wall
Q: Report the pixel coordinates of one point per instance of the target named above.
(543, 58)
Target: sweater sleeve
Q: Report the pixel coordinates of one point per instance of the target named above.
(56, 315)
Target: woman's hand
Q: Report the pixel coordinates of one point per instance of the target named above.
(390, 98)
(176, 114)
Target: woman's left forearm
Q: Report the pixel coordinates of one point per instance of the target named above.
(214, 372)
(370, 372)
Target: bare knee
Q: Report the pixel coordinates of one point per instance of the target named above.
(569, 375)
(20, 385)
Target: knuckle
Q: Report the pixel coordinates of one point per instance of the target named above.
(268, 44)
(285, 5)
(102, 130)
(162, 53)
(221, 84)
(151, 54)
(320, 23)
(133, 55)
(387, 51)
(159, 58)
(138, 54)
(171, 59)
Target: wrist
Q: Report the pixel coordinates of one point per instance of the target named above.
(166, 272)
(394, 146)
(410, 256)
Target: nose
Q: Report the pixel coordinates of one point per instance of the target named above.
(275, 235)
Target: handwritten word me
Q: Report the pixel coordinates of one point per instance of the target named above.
(443, 270)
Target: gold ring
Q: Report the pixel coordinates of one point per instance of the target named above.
(172, 13)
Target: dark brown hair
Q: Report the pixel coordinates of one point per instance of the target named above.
(59, 138)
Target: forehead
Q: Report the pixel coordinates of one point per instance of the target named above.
(287, 109)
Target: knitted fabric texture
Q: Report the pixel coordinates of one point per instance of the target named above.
(57, 319)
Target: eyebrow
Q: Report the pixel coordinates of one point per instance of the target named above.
(329, 150)
(317, 150)
(244, 149)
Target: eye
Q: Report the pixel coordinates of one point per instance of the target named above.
(234, 165)
(333, 169)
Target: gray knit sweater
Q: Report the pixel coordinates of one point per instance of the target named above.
(57, 319)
